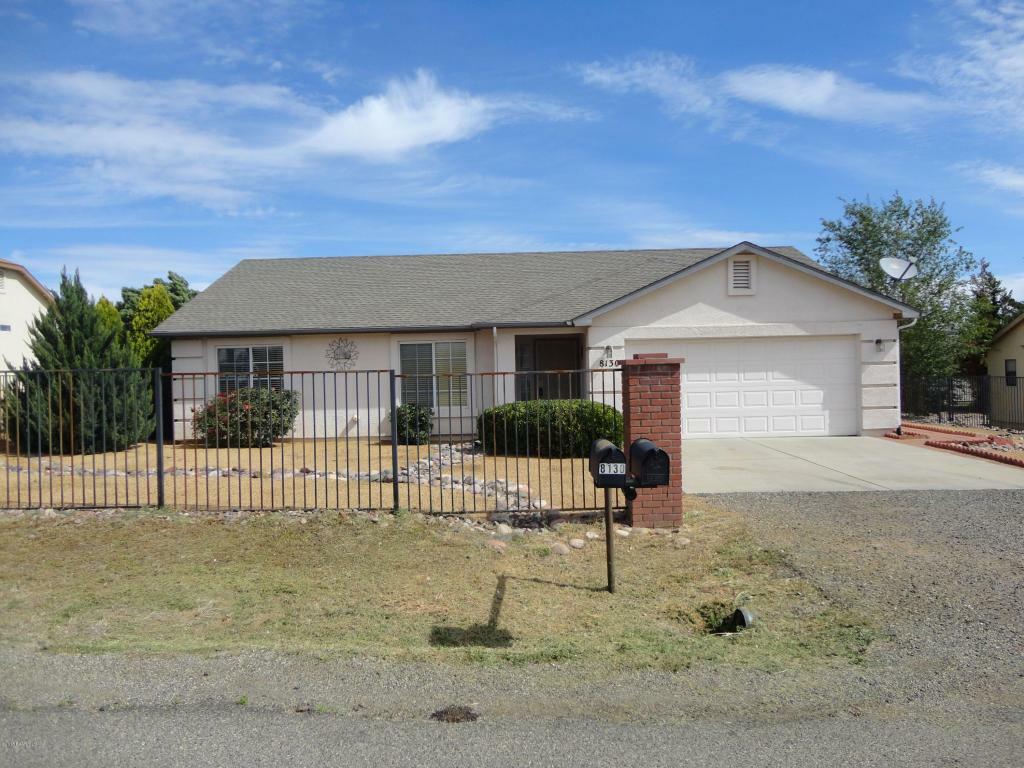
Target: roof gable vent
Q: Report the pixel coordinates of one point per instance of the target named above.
(741, 276)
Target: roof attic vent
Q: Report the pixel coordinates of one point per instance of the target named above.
(741, 276)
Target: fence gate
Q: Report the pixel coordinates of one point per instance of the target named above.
(486, 442)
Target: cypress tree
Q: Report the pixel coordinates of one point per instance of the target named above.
(84, 391)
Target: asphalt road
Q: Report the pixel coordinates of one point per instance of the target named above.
(944, 686)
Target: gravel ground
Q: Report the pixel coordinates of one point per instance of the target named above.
(940, 572)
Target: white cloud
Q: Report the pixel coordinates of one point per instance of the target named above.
(825, 95)
(673, 79)
(219, 145)
(106, 267)
(409, 114)
(981, 70)
(720, 98)
(999, 177)
(655, 225)
(1015, 282)
(231, 32)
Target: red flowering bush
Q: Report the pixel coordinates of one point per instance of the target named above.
(248, 417)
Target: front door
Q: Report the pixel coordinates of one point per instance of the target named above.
(549, 357)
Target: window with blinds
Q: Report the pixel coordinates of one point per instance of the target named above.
(239, 367)
(434, 374)
(417, 366)
(450, 366)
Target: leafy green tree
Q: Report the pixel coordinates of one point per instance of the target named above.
(152, 308)
(177, 288)
(991, 307)
(919, 231)
(67, 399)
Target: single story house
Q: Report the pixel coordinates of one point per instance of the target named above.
(774, 344)
(22, 299)
(1002, 361)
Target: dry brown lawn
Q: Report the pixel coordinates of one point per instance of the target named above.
(341, 584)
(561, 483)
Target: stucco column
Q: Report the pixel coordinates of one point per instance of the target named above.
(651, 409)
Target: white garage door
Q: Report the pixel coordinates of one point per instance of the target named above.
(771, 387)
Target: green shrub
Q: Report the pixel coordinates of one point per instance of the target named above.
(414, 423)
(547, 428)
(247, 417)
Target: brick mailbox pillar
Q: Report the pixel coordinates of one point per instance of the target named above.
(651, 409)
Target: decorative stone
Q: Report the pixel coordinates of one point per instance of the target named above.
(504, 529)
(622, 532)
(497, 545)
(577, 543)
(592, 535)
(558, 548)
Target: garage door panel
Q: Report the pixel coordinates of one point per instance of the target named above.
(812, 397)
(755, 425)
(813, 423)
(695, 427)
(783, 398)
(755, 398)
(766, 387)
(727, 425)
(727, 399)
(697, 400)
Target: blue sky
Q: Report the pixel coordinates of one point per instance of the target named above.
(138, 136)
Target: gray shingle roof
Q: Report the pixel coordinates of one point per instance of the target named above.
(367, 293)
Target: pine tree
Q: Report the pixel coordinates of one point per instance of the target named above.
(992, 306)
(152, 308)
(84, 392)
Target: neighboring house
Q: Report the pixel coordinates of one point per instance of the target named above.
(1003, 360)
(774, 345)
(22, 298)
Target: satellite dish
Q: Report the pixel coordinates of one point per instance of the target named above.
(898, 269)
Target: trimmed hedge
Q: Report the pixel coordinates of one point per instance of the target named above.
(250, 417)
(414, 423)
(547, 428)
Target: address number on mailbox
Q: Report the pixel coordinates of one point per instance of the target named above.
(611, 469)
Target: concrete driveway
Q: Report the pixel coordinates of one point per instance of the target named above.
(733, 465)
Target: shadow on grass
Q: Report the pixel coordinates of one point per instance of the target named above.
(487, 635)
(562, 584)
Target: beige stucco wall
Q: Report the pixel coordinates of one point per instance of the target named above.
(1007, 401)
(19, 304)
(787, 302)
(324, 391)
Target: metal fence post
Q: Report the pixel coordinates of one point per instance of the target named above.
(394, 438)
(158, 407)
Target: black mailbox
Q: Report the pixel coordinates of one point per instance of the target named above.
(607, 465)
(648, 464)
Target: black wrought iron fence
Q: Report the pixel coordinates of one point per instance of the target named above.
(973, 401)
(443, 443)
(79, 438)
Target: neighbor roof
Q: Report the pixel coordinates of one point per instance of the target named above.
(43, 292)
(1009, 327)
(434, 292)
